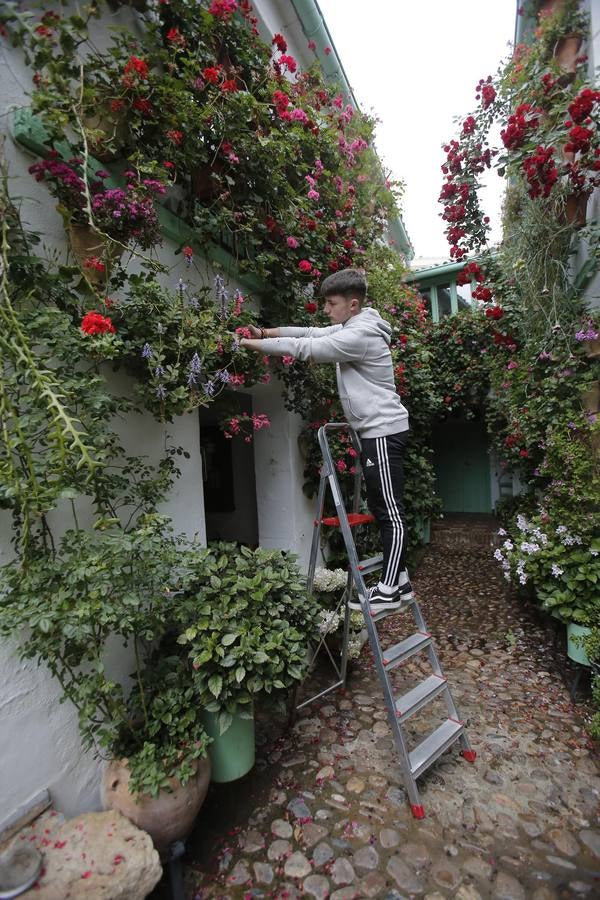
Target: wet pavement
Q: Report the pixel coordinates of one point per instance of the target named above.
(325, 814)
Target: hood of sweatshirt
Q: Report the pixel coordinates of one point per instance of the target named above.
(370, 323)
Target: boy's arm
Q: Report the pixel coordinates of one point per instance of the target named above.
(339, 346)
(292, 331)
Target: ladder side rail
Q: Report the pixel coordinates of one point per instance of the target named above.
(314, 549)
(436, 667)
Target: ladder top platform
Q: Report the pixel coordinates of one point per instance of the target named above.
(353, 519)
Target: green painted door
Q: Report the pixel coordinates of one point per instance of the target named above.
(462, 467)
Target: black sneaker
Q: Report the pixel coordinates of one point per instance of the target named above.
(380, 602)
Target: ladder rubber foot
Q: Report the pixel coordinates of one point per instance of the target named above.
(469, 755)
(417, 810)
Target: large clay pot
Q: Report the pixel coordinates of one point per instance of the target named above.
(87, 244)
(576, 209)
(567, 50)
(167, 818)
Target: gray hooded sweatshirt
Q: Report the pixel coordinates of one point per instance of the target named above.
(360, 348)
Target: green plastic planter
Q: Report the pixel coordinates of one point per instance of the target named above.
(423, 528)
(574, 650)
(232, 753)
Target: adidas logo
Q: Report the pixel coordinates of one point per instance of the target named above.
(369, 463)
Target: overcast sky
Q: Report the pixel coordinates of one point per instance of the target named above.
(415, 66)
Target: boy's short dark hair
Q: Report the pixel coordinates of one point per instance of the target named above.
(349, 283)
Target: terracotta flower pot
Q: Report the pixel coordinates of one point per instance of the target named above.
(576, 209)
(107, 134)
(167, 818)
(567, 50)
(204, 185)
(93, 252)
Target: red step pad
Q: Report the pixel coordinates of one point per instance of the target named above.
(353, 519)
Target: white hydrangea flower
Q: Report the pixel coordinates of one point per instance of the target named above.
(556, 570)
(327, 580)
(498, 555)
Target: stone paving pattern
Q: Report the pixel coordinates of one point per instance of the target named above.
(332, 818)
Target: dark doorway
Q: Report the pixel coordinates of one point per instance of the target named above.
(462, 466)
(228, 474)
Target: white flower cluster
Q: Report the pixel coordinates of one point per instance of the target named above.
(327, 580)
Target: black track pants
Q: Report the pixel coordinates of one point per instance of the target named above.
(382, 464)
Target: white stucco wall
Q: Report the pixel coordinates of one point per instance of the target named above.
(39, 739)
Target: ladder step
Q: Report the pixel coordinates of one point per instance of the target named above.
(376, 617)
(393, 656)
(414, 699)
(370, 565)
(353, 519)
(434, 745)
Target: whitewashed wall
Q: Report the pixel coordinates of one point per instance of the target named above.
(39, 739)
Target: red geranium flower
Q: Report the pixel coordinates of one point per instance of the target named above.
(222, 9)
(142, 105)
(175, 136)
(212, 74)
(310, 307)
(280, 42)
(229, 85)
(304, 265)
(95, 323)
(135, 64)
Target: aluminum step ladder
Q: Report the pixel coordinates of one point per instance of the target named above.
(399, 708)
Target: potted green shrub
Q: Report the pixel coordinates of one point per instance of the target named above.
(563, 566)
(66, 607)
(246, 621)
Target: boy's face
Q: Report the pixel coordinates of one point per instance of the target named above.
(339, 309)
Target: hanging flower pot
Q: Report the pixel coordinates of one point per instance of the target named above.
(170, 815)
(576, 209)
(566, 51)
(95, 254)
(205, 184)
(106, 134)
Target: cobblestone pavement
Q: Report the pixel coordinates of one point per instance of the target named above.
(325, 813)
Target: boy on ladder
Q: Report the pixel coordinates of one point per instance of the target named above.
(358, 342)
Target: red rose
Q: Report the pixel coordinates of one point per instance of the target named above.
(304, 265)
(310, 307)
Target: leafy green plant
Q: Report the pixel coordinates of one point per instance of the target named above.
(562, 564)
(245, 622)
(69, 605)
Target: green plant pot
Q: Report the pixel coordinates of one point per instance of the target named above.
(232, 753)
(574, 650)
(424, 530)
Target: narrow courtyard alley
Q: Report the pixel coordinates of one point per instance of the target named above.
(324, 814)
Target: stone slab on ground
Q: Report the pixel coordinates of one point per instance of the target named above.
(95, 856)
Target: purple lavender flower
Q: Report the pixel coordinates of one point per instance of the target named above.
(589, 335)
(224, 376)
(208, 388)
(194, 302)
(192, 379)
(159, 372)
(147, 351)
(196, 364)
(161, 392)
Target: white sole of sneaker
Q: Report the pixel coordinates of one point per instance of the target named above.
(385, 606)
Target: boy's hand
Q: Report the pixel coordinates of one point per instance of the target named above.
(251, 344)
